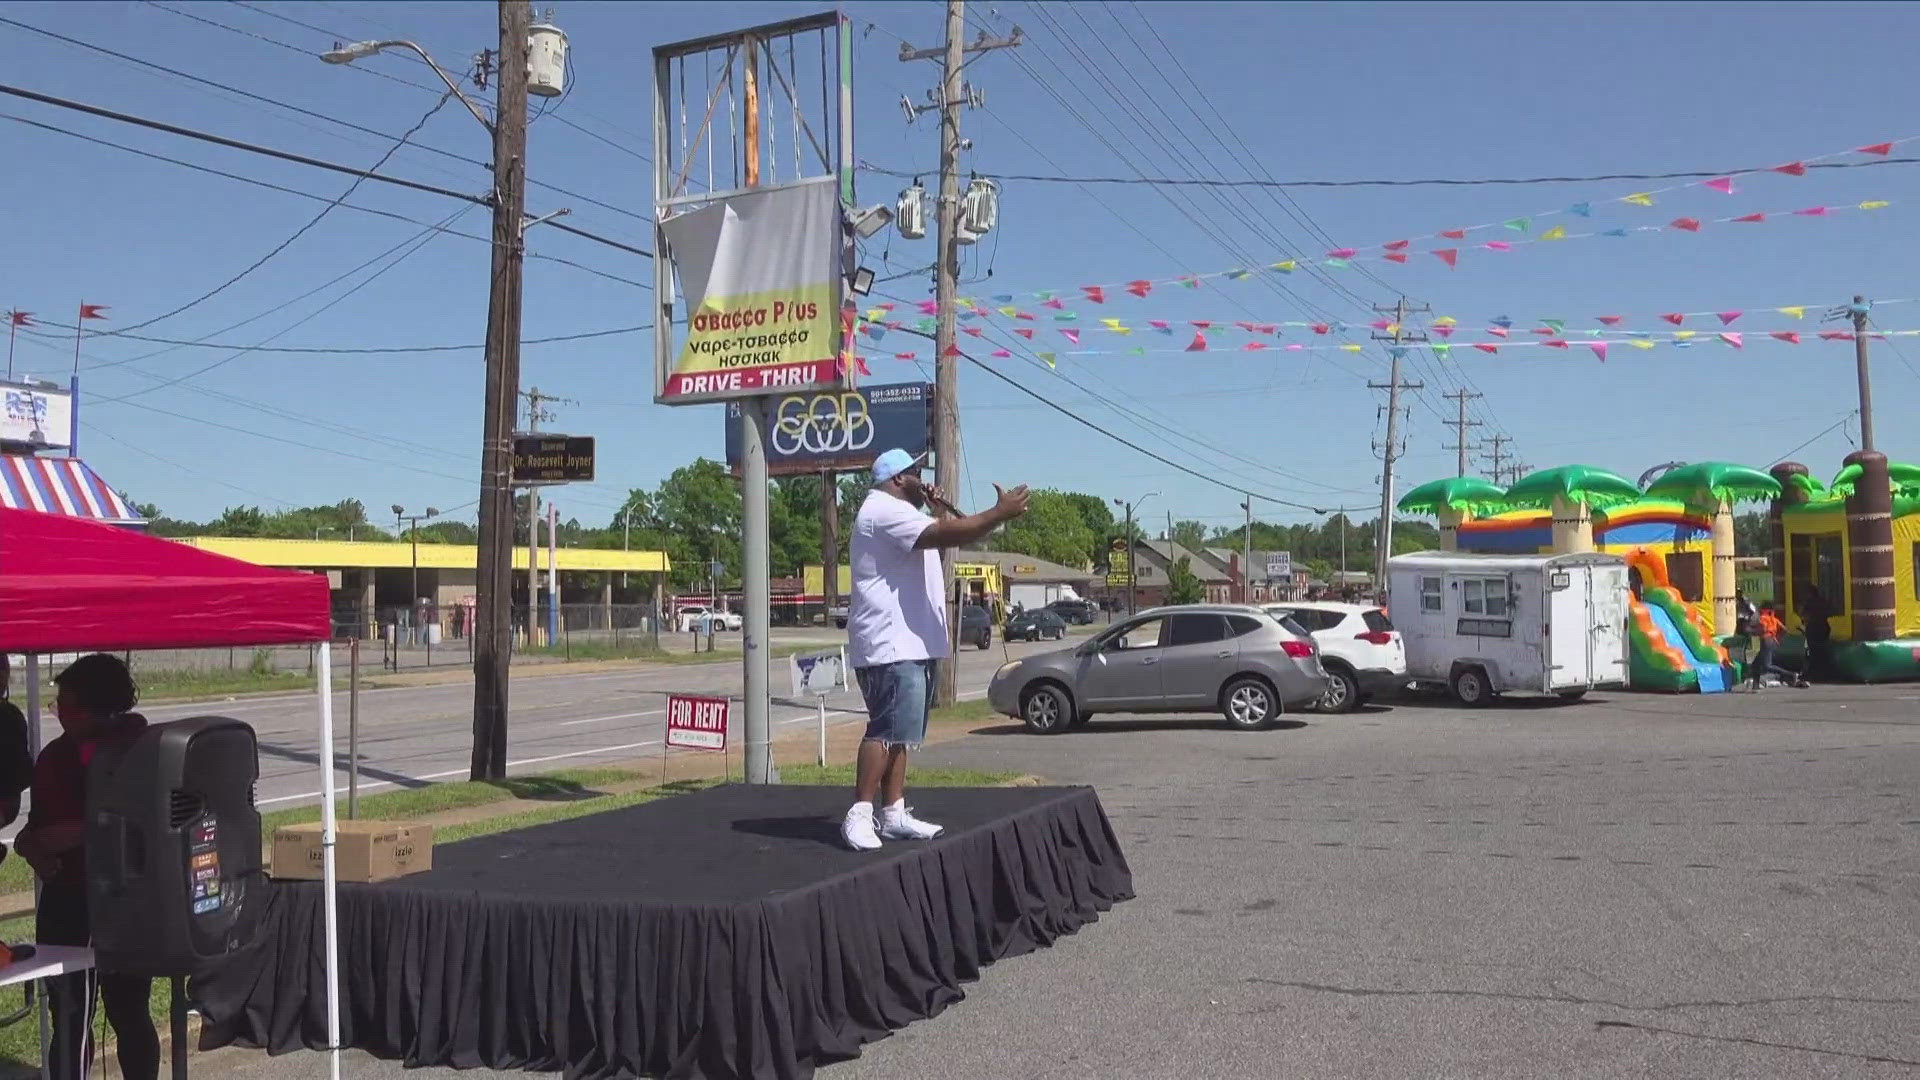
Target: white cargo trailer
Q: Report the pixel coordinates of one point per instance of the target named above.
(1481, 625)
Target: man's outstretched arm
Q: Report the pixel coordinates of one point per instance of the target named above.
(947, 532)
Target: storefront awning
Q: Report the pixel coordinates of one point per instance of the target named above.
(60, 485)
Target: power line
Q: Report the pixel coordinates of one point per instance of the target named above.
(343, 350)
(290, 107)
(1513, 181)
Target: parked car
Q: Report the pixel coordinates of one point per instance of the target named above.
(1362, 652)
(1075, 612)
(976, 626)
(1038, 625)
(1237, 660)
(691, 618)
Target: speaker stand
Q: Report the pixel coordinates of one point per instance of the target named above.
(179, 1017)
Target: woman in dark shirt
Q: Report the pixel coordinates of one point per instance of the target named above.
(95, 707)
(16, 761)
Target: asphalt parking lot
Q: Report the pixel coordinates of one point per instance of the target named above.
(1634, 885)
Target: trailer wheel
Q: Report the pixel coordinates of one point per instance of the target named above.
(1471, 688)
(1573, 695)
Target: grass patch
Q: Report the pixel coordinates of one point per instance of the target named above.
(842, 776)
(966, 712)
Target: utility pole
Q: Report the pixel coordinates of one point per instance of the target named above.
(1858, 310)
(946, 389)
(829, 544)
(1246, 553)
(1460, 427)
(1383, 541)
(535, 415)
(493, 624)
(1497, 456)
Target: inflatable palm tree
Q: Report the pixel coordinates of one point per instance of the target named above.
(1454, 501)
(1572, 492)
(1715, 486)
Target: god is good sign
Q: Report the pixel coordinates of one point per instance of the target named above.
(759, 273)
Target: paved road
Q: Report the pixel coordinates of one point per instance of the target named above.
(410, 735)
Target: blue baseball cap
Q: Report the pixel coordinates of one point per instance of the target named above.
(893, 463)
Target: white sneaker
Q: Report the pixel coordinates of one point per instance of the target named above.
(898, 823)
(857, 829)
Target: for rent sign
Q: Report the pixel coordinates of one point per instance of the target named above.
(697, 723)
(759, 273)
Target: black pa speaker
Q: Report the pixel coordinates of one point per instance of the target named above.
(173, 847)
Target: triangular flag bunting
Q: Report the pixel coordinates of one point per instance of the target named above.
(1609, 320)
(1285, 266)
(1027, 315)
(1198, 344)
(1674, 317)
(1723, 184)
(1003, 298)
(1881, 148)
(1454, 234)
(1484, 347)
(1236, 275)
(1095, 293)
(1554, 343)
(974, 330)
(1836, 335)
(1160, 325)
(1394, 245)
(1558, 232)
(1252, 346)
(1556, 324)
(1685, 223)
(1051, 302)
(1731, 338)
(1397, 351)
(1024, 331)
(1519, 224)
(1614, 232)
(1048, 357)
(1071, 335)
(1599, 349)
(1114, 325)
(1320, 328)
(1136, 351)
(1009, 312)
(1812, 211)
(1544, 331)
(1788, 336)
(925, 326)
(1581, 209)
(1727, 317)
(903, 356)
(953, 350)
(1395, 256)
(1200, 324)
(1791, 168)
(1875, 204)
(1446, 320)
(1497, 331)
(1380, 324)
(1190, 281)
(1441, 349)
(1342, 253)
(1450, 256)
(1639, 198)
(1000, 354)
(1641, 343)
(1067, 316)
(1337, 263)
(1682, 335)
(1503, 322)
(1497, 245)
(1443, 331)
(929, 307)
(1350, 347)
(1751, 219)
(876, 332)
(1796, 311)
(1140, 288)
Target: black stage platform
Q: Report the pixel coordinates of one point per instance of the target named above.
(725, 933)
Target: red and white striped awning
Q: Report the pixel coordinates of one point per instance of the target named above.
(60, 485)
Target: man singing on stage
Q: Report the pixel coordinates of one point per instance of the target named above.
(897, 630)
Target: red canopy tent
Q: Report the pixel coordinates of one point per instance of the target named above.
(68, 584)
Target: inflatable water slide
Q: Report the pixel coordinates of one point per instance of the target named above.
(1669, 645)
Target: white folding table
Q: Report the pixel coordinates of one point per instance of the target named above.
(46, 962)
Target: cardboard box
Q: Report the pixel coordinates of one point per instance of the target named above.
(363, 851)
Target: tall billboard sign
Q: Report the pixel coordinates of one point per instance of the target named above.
(818, 430)
(36, 414)
(752, 244)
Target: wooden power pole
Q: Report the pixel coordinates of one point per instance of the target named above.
(493, 622)
(1399, 337)
(946, 380)
(1460, 426)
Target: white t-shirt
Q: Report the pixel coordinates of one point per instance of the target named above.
(898, 610)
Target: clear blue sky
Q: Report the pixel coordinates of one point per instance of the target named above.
(1315, 91)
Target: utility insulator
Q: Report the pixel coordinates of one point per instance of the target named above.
(910, 213)
(546, 59)
(979, 210)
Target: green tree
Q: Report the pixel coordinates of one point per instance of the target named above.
(1750, 534)
(1182, 586)
(1097, 514)
(699, 512)
(1053, 528)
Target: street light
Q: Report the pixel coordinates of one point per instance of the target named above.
(360, 50)
(1133, 573)
(626, 538)
(400, 515)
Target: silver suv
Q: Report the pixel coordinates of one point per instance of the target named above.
(1239, 661)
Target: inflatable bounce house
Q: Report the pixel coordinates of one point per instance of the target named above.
(1847, 553)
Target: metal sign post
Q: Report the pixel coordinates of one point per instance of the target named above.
(754, 244)
(816, 675)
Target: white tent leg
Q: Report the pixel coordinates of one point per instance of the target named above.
(329, 877)
(33, 747)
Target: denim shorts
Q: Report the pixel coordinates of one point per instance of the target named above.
(899, 696)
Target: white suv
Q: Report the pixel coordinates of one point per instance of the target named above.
(1359, 647)
(690, 618)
